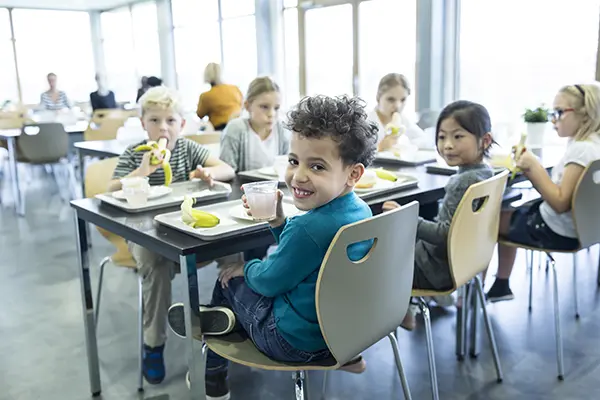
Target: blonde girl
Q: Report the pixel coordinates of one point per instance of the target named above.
(392, 92)
(254, 141)
(547, 222)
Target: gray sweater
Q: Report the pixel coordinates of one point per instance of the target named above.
(241, 147)
(431, 250)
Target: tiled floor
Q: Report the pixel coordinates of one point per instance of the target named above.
(42, 354)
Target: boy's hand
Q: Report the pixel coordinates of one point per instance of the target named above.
(388, 142)
(390, 205)
(145, 167)
(202, 173)
(226, 274)
(526, 161)
(279, 214)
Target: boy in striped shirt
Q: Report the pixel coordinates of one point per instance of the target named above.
(162, 118)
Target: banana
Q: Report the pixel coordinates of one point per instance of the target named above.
(395, 127)
(517, 153)
(387, 175)
(161, 146)
(197, 218)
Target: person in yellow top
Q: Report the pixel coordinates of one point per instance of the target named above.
(222, 102)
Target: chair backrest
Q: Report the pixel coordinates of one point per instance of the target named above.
(360, 302)
(43, 143)
(474, 229)
(206, 138)
(105, 129)
(98, 175)
(585, 204)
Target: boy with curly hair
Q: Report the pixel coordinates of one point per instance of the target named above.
(273, 301)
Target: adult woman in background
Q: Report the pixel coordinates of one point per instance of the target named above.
(222, 102)
(53, 99)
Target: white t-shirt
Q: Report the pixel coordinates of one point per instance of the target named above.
(413, 132)
(581, 153)
(262, 153)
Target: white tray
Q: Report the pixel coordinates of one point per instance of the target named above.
(228, 226)
(260, 175)
(419, 158)
(382, 186)
(195, 188)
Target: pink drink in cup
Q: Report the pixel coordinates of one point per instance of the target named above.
(262, 199)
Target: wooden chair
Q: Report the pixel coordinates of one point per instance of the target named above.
(97, 177)
(104, 129)
(584, 208)
(350, 323)
(206, 138)
(471, 241)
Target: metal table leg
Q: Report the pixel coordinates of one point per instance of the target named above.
(88, 306)
(192, 324)
(12, 161)
(81, 160)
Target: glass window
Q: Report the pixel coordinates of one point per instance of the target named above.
(60, 43)
(387, 43)
(239, 51)
(188, 13)
(145, 39)
(236, 8)
(8, 81)
(545, 45)
(291, 58)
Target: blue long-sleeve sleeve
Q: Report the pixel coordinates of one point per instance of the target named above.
(284, 269)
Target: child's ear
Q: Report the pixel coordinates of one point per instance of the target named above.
(143, 124)
(247, 106)
(356, 172)
(486, 141)
(183, 121)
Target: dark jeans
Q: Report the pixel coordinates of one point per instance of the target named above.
(259, 253)
(254, 315)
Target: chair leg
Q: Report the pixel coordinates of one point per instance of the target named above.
(598, 278)
(141, 335)
(575, 296)
(461, 324)
(324, 388)
(104, 261)
(531, 281)
(488, 328)
(559, 346)
(401, 374)
(301, 385)
(474, 352)
(430, 354)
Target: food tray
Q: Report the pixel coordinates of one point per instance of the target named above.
(260, 175)
(421, 157)
(195, 188)
(404, 182)
(441, 169)
(228, 226)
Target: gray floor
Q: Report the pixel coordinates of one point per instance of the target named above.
(42, 354)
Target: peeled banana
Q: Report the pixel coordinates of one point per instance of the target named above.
(395, 127)
(387, 175)
(161, 146)
(197, 218)
(517, 153)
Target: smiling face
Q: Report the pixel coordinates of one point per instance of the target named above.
(263, 110)
(163, 122)
(392, 100)
(316, 173)
(566, 121)
(458, 146)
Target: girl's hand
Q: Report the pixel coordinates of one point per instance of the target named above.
(527, 161)
(388, 142)
(390, 205)
(226, 274)
(202, 173)
(279, 214)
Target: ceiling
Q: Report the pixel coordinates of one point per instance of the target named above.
(83, 5)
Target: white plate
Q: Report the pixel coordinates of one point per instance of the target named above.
(239, 212)
(269, 171)
(379, 185)
(155, 193)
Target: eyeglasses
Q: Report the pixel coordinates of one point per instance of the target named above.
(557, 113)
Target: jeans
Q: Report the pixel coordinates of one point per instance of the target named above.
(259, 252)
(254, 316)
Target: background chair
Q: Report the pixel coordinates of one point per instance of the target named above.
(584, 208)
(350, 323)
(471, 241)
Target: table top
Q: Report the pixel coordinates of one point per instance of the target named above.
(114, 148)
(78, 127)
(170, 243)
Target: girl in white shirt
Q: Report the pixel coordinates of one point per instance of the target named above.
(547, 223)
(253, 142)
(392, 92)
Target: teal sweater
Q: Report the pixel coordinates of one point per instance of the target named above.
(289, 275)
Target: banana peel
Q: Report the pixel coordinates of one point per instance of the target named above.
(161, 146)
(197, 218)
(386, 175)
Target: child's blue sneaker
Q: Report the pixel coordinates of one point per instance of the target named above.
(154, 364)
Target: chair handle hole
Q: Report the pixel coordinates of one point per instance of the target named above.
(478, 204)
(596, 177)
(370, 243)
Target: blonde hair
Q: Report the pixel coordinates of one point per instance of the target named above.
(212, 74)
(391, 81)
(161, 97)
(260, 85)
(585, 99)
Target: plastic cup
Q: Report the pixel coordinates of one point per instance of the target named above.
(280, 167)
(136, 190)
(262, 199)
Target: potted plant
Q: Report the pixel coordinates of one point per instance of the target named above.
(537, 122)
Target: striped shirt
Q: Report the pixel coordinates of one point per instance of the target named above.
(185, 157)
(47, 103)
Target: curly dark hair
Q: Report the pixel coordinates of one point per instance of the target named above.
(341, 118)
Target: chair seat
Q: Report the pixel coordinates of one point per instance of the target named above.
(242, 350)
(526, 247)
(430, 292)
